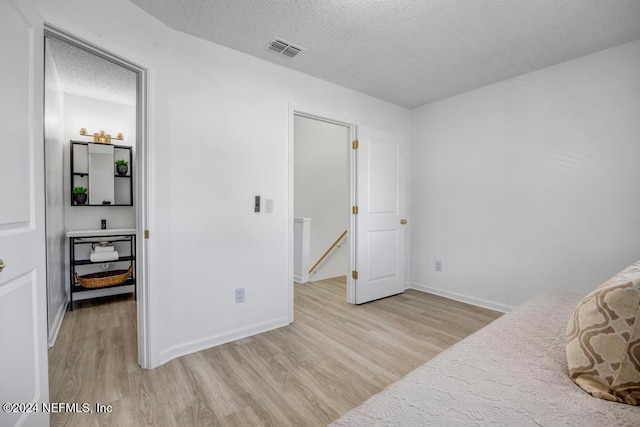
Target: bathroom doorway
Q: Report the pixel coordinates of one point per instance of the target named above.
(88, 91)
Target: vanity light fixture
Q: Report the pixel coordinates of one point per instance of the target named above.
(101, 137)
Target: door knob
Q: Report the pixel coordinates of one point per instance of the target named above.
(1, 265)
(403, 221)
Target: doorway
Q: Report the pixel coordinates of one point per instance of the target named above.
(89, 90)
(377, 222)
(323, 193)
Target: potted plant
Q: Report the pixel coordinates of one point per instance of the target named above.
(80, 195)
(122, 167)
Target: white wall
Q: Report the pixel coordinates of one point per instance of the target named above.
(530, 184)
(54, 197)
(321, 190)
(219, 123)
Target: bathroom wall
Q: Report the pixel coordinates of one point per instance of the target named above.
(54, 197)
(95, 115)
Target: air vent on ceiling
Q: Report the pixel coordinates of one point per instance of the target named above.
(284, 48)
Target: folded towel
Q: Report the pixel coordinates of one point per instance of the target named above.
(100, 248)
(104, 256)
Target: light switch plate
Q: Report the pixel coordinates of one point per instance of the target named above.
(268, 206)
(239, 295)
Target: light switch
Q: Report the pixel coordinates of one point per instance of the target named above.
(269, 206)
(256, 205)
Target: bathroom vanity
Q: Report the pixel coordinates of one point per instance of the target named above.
(82, 244)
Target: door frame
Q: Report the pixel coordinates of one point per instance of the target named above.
(352, 126)
(143, 182)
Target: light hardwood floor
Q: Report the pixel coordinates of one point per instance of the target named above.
(332, 358)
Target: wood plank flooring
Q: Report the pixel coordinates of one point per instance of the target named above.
(332, 358)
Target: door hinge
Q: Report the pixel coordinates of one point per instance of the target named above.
(355, 144)
(146, 234)
(354, 210)
(354, 275)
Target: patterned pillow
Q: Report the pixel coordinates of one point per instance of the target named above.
(603, 339)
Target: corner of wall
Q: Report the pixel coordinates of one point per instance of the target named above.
(479, 302)
(215, 340)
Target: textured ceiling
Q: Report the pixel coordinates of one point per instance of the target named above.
(85, 74)
(409, 52)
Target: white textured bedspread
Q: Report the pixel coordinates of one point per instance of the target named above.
(513, 372)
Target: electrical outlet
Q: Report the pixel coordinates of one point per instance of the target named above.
(239, 295)
(438, 265)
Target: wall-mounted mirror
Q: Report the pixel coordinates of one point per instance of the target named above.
(101, 175)
(94, 172)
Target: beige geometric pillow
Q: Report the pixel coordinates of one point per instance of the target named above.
(603, 339)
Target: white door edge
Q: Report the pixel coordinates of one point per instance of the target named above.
(23, 306)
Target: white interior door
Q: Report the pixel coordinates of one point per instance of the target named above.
(23, 316)
(380, 195)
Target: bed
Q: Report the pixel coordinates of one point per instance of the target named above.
(513, 372)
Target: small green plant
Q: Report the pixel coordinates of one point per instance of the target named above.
(79, 190)
(122, 162)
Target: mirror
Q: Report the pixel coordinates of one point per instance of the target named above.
(101, 175)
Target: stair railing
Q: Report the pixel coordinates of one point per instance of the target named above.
(328, 251)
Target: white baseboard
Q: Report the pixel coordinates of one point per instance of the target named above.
(216, 340)
(301, 279)
(57, 324)
(491, 305)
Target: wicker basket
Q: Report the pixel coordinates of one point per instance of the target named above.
(104, 278)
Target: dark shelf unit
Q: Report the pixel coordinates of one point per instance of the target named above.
(74, 286)
(120, 152)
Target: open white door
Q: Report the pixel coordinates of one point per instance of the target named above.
(380, 193)
(23, 315)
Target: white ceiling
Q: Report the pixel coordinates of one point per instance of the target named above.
(409, 52)
(85, 74)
